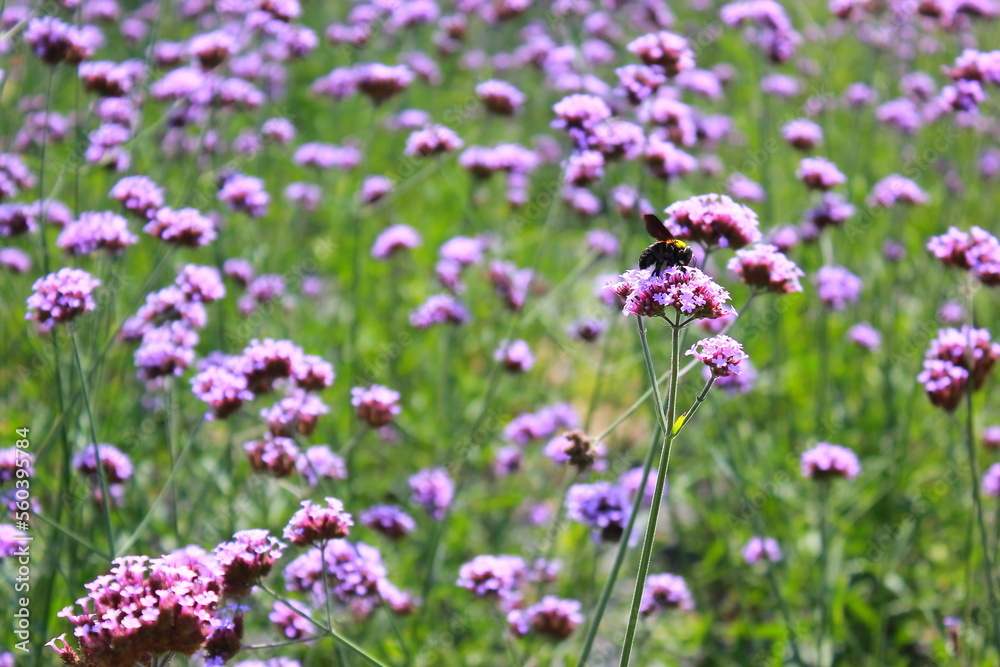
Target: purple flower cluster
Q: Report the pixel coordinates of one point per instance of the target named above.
(826, 461)
(355, 577)
(539, 425)
(493, 576)
(761, 548)
(388, 520)
(186, 227)
(439, 309)
(317, 524)
(246, 560)
(515, 355)
(60, 297)
(956, 357)
(552, 617)
(665, 591)
(837, 287)
(433, 490)
(144, 607)
(375, 405)
(721, 354)
(394, 239)
(686, 291)
(94, 231)
(764, 266)
(116, 466)
(713, 219)
(977, 251)
(602, 506)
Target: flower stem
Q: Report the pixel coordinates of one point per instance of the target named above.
(698, 401)
(602, 603)
(661, 476)
(101, 475)
(970, 445)
(824, 558)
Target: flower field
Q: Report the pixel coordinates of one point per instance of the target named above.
(499, 332)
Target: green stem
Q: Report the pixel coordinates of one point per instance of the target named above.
(661, 476)
(698, 401)
(970, 445)
(602, 603)
(101, 475)
(824, 559)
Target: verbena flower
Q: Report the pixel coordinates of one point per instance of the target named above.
(388, 520)
(837, 287)
(375, 188)
(292, 620)
(539, 425)
(298, 412)
(375, 405)
(665, 591)
(831, 211)
(355, 577)
(315, 523)
(433, 490)
(432, 140)
(603, 506)
(273, 455)
(144, 607)
(663, 49)
(802, 134)
(186, 227)
(327, 156)
(166, 350)
(686, 292)
(507, 460)
(553, 617)
(117, 469)
(865, 335)
(139, 195)
(955, 345)
(11, 542)
(393, 239)
(96, 230)
(631, 479)
(991, 480)
(825, 461)
(944, 382)
(224, 390)
(60, 297)
(766, 267)
(713, 219)
(319, 462)
(721, 354)
(500, 97)
(16, 219)
(439, 309)
(380, 82)
(15, 260)
(895, 189)
(515, 355)
(246, 560)
(246, 194)
(819, 173)
(991, 437)
(576, 449)
(761, 548)
(493, 576)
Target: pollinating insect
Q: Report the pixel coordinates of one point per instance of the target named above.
(667, 251)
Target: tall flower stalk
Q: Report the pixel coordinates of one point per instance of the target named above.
(665, 449)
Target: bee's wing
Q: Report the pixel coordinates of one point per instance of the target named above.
(656, 228)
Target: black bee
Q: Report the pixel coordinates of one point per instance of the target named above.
(667, 251)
